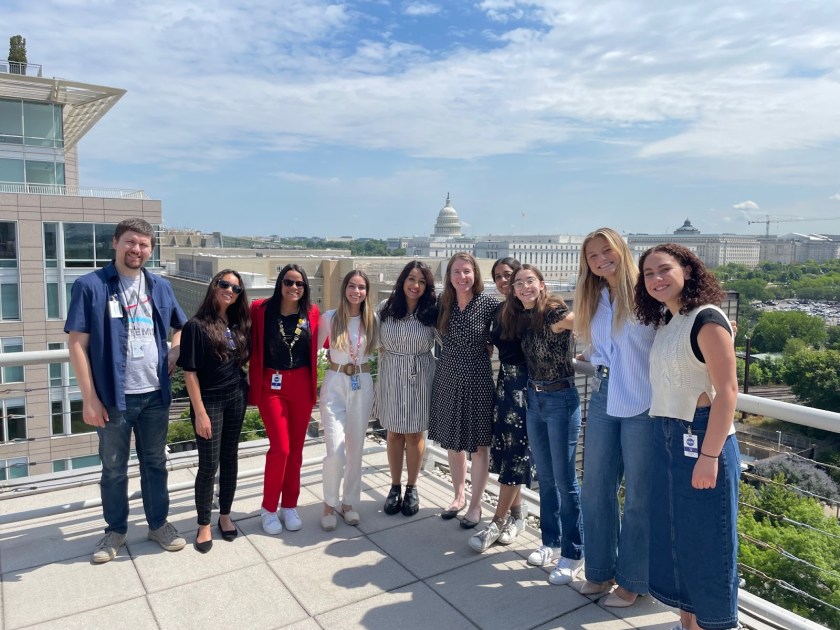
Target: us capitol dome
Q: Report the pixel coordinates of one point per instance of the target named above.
(448, 224)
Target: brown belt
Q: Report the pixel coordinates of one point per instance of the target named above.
(349, 369)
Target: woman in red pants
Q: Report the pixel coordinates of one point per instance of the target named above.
(283, 375)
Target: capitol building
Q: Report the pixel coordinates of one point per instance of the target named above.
(557, 255)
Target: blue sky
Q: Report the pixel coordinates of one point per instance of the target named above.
(356, 117)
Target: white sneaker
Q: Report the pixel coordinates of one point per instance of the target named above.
(544, 556)
(513, 527)
(565, 571)
(290, 519)
(270, 523)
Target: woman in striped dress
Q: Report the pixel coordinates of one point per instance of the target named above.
(404, 384)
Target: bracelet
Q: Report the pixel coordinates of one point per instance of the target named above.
(709, 456)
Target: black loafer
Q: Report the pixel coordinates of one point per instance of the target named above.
(411, 502)
(393, 502)
(228, 534)
(203, 547)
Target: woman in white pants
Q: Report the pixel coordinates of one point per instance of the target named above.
(346, 396)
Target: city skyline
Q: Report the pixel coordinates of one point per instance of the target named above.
(539, 116)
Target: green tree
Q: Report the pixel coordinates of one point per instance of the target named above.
(17, 54)
(832, 341)
(773, 329)
(765, 542)
(814, 376)
(755, 289)
(177, 385)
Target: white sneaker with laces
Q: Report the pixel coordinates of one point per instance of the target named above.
(544, 556)
(513, 527)
(290, 519)
(270, 523)
(565, 571)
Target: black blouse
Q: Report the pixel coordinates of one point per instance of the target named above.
(549, 354)
(276, 349)
(197, 355)
(510, 350)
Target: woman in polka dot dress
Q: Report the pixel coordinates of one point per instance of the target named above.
(462, 394)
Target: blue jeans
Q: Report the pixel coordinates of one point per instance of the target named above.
(553, 423)
(148, 417)
(693, 533)
(616, 546)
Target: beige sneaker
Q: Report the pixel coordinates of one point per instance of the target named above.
(107, 547)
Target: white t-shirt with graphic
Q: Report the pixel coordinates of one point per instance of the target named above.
(141, 368)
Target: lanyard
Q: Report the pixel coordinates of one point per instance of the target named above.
(355, 358)
(298, 331)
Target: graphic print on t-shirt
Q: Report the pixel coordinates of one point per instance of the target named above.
(142, 351)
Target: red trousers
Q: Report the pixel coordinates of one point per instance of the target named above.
(285, 413)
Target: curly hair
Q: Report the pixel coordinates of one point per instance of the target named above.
(701, 287)
(239, 320)
(397, 306)
(448, 296)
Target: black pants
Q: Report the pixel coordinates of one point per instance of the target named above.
(226, 411)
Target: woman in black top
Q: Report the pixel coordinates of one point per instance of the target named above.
(510, 457)
(215, 345)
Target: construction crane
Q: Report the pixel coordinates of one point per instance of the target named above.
(767, 220)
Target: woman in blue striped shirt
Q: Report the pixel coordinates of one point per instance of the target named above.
(618, 435)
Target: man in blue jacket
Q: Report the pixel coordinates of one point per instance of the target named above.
(118, 321)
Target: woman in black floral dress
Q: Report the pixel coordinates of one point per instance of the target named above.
(510, 457)
(462, 394)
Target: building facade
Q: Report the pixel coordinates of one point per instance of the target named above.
(51, 232)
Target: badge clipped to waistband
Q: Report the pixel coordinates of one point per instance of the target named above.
(276, 381)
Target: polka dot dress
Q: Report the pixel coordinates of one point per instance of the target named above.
(461, 418)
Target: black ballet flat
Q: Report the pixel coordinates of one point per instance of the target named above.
(468, 524)
(393, 502)
(203, 547)
(411, 502)
(448, 515)
(228, 534)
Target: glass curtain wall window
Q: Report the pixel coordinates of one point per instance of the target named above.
(74, 463)
(11, 373)
(9, 278)
(89, 245)
(31, 124)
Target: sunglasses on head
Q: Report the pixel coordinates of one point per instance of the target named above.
(224, 284)
(293, 283)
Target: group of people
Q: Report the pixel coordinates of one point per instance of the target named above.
(659, 417)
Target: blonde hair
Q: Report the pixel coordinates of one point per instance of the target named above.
(448, 295)
(339, 332)
(589, 285)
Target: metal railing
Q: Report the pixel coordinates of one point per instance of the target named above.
(21, 68)
(70, 191)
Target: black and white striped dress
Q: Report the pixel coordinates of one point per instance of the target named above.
(406, 371)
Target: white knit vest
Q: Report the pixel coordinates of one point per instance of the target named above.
(677, 377)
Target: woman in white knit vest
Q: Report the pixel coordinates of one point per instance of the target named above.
(696, 466)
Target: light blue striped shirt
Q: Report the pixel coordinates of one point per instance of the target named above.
(627, 354)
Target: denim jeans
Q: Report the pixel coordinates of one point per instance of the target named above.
(616, 545)
(693, 533)
(148, 417)
(553, 423)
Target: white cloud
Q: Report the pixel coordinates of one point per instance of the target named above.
(835, 197)
(746, 205)
(418, 9)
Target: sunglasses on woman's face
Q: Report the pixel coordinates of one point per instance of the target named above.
(293, 283)
(224, 284)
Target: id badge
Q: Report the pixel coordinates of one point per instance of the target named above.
(596, 384)
(690, 448)
(114, 309)
(136, 349)
(276, 381)
(355, 382)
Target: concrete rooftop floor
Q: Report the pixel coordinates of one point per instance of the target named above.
(389, 572)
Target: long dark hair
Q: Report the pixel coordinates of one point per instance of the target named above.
(515, 319)
(701, 287)
(448, 296)
(397, 306)
(276, 298)
(239, 321)
(514, 265)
